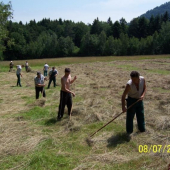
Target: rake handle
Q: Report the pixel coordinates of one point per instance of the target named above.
(113, 119)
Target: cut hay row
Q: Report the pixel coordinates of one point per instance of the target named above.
(27, 125)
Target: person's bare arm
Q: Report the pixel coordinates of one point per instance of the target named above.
(127, 89)
(72, 81)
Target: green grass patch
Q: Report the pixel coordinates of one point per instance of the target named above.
(4, 69)
(158, 71)
(140, 163)
(29, 100)
(38, 114)
(9, 162)
(111, 64)
(116, 128)
(128, 67)
(81, 85)
(45, 156)
(73, 60)
(77, 99)
(160, 90)
(103, 88)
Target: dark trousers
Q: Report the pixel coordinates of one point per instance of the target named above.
(18, 80)
(45, 72)
(26, 68)
(65, 99)
(38, 90)
(54, 81)
(138, 108)
(10, 69)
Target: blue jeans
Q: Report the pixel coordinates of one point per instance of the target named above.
(18, 80)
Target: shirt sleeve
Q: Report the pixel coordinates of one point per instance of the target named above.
(35, 80)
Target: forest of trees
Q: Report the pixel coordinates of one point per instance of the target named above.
(157, 10)
(63, 38)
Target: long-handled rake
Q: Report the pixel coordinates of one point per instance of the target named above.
(88, 140)
(27, 84)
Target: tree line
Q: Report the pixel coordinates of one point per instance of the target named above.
(63, 38)
(157, 10)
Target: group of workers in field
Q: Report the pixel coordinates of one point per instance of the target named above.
(18, 71)
(65, 93)
(134, 92)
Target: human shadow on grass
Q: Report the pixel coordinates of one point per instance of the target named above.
(53, 121)
(119, 138)
(13, 86)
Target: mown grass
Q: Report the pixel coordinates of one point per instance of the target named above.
(138, 163)
(44, 157)
(128, 67)
(66, 150)
(39, 63)
(157, 71)
(160, 90)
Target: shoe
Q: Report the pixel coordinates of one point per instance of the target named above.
(58, 118)
(128, 137)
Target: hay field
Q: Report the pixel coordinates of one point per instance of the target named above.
(31, 137)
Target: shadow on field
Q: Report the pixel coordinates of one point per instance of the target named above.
(119, 138)
(51, 121)
(13, 86)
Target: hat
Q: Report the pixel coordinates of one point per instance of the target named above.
(67, 70)
(38, 73)
(19, 66)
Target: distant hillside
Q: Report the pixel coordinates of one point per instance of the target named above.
(158, 10)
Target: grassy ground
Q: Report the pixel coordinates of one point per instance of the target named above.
(31, 138)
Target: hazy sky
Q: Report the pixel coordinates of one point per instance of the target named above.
(80, 10)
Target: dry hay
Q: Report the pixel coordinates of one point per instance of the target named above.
(29, 69)
(162, 123)
(99, 86)
(70, 124)
(108, 157)
(38, 102)
(17, 138)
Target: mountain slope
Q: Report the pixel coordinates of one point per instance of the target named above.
(157, 10)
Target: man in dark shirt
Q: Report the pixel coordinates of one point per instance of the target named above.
(52, 77)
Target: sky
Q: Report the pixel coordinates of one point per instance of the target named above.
(80, 10)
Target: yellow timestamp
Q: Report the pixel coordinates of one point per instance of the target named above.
(154, 148)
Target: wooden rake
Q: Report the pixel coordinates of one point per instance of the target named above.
(113, 119)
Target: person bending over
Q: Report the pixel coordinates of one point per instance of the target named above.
(135, 90)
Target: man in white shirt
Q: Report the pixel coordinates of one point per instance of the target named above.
(46, 67)
(135, 89)
(18, 73)
(11, 66)
(26, 66)
(39, 85)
